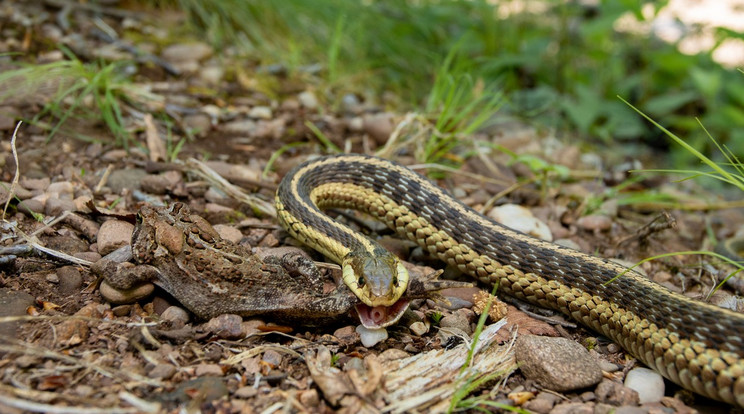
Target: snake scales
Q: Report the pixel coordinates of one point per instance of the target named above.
(697, 345)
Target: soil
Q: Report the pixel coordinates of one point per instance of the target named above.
(63, 347)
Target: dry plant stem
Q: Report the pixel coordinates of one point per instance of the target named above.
(659, 223)
(14, 184)
(199, 168)
(690, 205)
(154, 143)
(104, 179)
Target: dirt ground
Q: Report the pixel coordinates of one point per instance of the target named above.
(63, 348)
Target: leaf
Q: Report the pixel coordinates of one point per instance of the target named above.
(664, 104)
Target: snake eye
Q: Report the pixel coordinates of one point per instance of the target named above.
(360, 281)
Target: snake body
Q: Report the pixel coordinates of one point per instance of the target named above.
(696, 345)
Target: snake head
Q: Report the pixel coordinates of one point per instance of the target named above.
(379, 281)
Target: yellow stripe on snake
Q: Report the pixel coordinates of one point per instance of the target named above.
(697, 345)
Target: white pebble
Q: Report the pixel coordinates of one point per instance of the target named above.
(649, 384)
(519, 218)
(371, 337)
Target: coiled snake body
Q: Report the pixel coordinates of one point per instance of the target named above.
(697, 345)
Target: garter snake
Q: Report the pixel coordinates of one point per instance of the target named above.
(697, 345)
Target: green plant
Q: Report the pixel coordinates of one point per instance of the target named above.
(87, 90)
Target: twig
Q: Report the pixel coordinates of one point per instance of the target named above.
(14, 184)
(258, 205)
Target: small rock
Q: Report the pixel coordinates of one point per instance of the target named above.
(350, 104)
(62, 190)
(176, 315)
(155, 184)
(308, 100)
(418, 328)
(519, 218)
(56, 206)
(241, 127)
(246, 392)
(228, 233)
(272, 357)
(119, 296)
(113, 235)
(558, 364)
(371, 337)
(187, 52)
(347, 335)
(309, 398)
(457, 321)
(568, 243)
(31, 206)
(226, 326)
(573, 408)
(647, 383)
(35, 184)
(608, 366)
(216, 196)
(212, 74)
(13, 303)
(128, 178)
(614, 393)
(594, 222)
(89, 256)
(70, 280)
(199, 122)
(379, 127)
(162, 371)
(211, 370)
(260, 112)
(543, 403)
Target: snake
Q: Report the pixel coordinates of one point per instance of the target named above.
(697, 345)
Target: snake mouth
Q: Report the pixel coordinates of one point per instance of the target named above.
(381, 316)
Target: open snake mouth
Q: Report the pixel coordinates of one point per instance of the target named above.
(381, 316)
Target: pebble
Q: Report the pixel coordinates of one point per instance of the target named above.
(13, 303)
(128, 178)
(156, 184)
(519, 218)
(212, 74)
(35, 184)
(242, 127)
(379, 127)
(199, 122)
(595, 222)
(308, 100)
(187, 52)
(211, 370)
(217, 196)
(114, 234)
(309, 398)
(162, 371)
(371, 337)
(260, 112)
(70, 280)
(573, 408)
(246, 392)
(62, 190)
(647, 383)
(350, 104)
(542, 403)
(568, 243)
(557, 364)
(31, 207)
(347, 335)
(457, 320)
(118, 297)
(176, 315)
(228, 233)
(272, 357)
(226, 326)
(614, 393)
(57, 206)
(418, 328)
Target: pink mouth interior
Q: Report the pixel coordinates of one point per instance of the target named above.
(381, 316)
